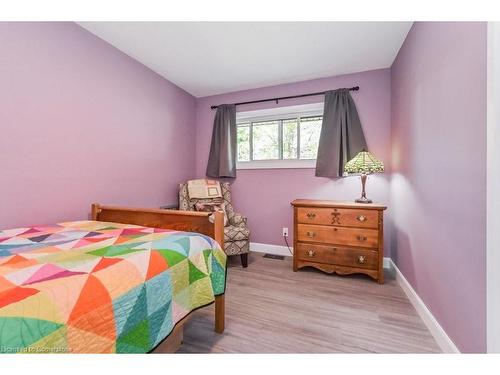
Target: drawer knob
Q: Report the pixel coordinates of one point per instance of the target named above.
(361, 218)
(361, 259)
(311, 234)
(310, 253)
(311, 215)
(361, 238)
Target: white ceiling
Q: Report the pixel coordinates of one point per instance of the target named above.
(207, 58)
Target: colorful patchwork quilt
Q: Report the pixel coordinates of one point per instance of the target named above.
(97, 287)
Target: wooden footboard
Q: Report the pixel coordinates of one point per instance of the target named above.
(187, 221)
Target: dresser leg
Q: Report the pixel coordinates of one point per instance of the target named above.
(381, 277)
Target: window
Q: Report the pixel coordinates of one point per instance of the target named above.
(279, 138)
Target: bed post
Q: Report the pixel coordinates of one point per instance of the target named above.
(95, 211)
(219, 313)
(219, 228)
(219, 300)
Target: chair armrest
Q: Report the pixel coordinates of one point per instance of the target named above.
(238, 220)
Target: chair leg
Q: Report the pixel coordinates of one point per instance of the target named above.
(244, 260)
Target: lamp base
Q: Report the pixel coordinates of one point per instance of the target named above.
(363, 200)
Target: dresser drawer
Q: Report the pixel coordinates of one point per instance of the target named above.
(342, 256)
(338, 235)
(345, 217)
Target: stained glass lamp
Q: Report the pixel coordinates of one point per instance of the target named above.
(364, 163)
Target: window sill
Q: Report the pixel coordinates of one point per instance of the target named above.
(276, 164)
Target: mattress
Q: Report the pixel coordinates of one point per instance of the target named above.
(98, 287)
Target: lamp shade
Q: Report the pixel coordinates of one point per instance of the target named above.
(364, 163)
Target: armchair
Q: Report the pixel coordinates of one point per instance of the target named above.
(236, 232)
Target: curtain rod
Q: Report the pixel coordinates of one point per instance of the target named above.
(355, 88)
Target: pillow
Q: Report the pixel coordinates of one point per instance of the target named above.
(203, 189)
(211, 207)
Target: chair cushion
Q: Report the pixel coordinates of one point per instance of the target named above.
(232, 233)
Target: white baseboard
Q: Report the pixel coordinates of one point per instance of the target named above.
(388, 264)
(425, 314)
(270, 249)
(439, 334)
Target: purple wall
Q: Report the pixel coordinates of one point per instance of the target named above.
(264, 196)
(81, 122)
(438, 195)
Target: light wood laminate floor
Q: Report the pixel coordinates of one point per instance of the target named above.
(271, 309)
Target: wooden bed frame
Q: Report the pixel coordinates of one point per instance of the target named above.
(188, 221)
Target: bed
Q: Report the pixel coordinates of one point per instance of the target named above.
(124, 282)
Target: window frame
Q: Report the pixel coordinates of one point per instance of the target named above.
(279, 114)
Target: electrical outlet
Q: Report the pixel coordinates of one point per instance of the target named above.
(285, 232)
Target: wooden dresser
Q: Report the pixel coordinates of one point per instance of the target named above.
(341, 237)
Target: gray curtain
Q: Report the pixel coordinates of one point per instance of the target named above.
(341, 134)
(222, 158)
